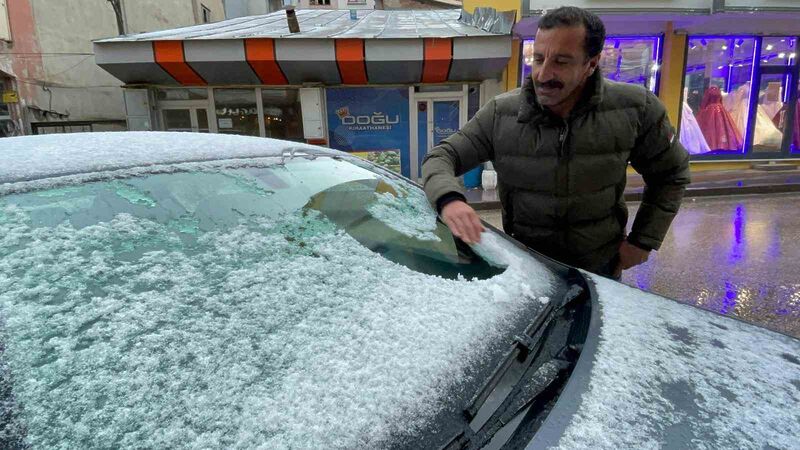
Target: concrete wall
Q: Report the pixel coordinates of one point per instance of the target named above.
(155, 15)
(72, 84)
(50, 59)
(241, 8)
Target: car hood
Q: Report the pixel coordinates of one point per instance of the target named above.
(655, 373)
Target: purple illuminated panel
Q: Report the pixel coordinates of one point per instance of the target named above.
(629, 59)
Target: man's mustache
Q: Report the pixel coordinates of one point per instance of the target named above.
(552, 84)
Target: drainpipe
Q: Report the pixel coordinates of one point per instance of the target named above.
(117, 5)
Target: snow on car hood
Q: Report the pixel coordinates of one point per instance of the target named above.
(276, 332)
(32, 157)
(667, 375)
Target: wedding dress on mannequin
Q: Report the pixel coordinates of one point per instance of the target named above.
(717, 124)
(765, 132)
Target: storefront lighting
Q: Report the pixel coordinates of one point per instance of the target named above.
(725, 47)
(770, 47)
(655, 68)
(720, 67)
(781, 55)
(793, 55)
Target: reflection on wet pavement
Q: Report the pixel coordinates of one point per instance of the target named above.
(738, 256)
(733, 255)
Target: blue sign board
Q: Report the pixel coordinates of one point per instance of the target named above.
(371, 122)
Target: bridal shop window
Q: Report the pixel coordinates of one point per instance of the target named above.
(720, 115)
(716, 95)
(629, 59)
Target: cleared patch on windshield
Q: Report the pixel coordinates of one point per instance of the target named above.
(133, 195)
(234, 325)
(404, 210)
(664, 377)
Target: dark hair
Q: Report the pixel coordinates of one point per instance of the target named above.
(570, 16)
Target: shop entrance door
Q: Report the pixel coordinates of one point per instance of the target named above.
(438, 116)
(191, 118)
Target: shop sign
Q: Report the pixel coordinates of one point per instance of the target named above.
(10, 97)
(253, 111)
(370, 121)
(225, 123)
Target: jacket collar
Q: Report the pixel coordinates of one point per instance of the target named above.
(530, 109)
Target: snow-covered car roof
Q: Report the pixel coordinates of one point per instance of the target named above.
(27, 158)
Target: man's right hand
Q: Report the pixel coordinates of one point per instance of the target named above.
(463, 221)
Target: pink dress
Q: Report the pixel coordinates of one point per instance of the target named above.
(717, 124)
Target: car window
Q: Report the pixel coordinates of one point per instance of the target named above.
(242, 307)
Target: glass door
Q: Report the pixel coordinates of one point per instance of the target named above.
(437, 119)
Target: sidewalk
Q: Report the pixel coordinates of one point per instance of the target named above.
(706, 183)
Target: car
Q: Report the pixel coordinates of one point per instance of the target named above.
(182, 290)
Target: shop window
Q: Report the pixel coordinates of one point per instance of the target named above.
(282, 114)
(627, 59)
(717, 96)
(236, 111)
(206, 13)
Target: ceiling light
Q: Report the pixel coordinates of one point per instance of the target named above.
(770, 47)
(724, 47)
(781, 55)
(792, 55)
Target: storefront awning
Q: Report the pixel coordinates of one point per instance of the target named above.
(377, 47)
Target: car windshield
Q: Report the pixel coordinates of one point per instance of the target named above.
(313, 302)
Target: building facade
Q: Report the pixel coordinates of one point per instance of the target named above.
(48, 77)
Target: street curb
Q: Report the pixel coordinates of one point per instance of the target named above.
(690, 193)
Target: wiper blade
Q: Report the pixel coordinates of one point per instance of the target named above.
(504, 384)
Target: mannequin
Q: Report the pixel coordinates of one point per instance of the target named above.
(780, 118)
(691, 136)
(766, 134)
(717, 124)
(772, 99)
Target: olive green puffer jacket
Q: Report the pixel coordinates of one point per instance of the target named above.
(561, 182)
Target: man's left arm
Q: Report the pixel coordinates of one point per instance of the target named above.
(664, 164)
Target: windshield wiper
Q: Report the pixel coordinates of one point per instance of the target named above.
(492, 408)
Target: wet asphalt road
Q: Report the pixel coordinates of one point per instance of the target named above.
(738, 256)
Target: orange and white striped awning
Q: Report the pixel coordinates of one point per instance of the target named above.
(379, 47)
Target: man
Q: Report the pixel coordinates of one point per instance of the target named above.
(561, 145)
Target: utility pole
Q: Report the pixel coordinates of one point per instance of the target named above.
(117, 5)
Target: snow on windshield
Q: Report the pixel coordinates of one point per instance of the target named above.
(278, 331)
(668, 375)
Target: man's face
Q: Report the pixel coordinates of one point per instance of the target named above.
(560, 64)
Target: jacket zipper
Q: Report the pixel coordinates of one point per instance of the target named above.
(562, 138)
